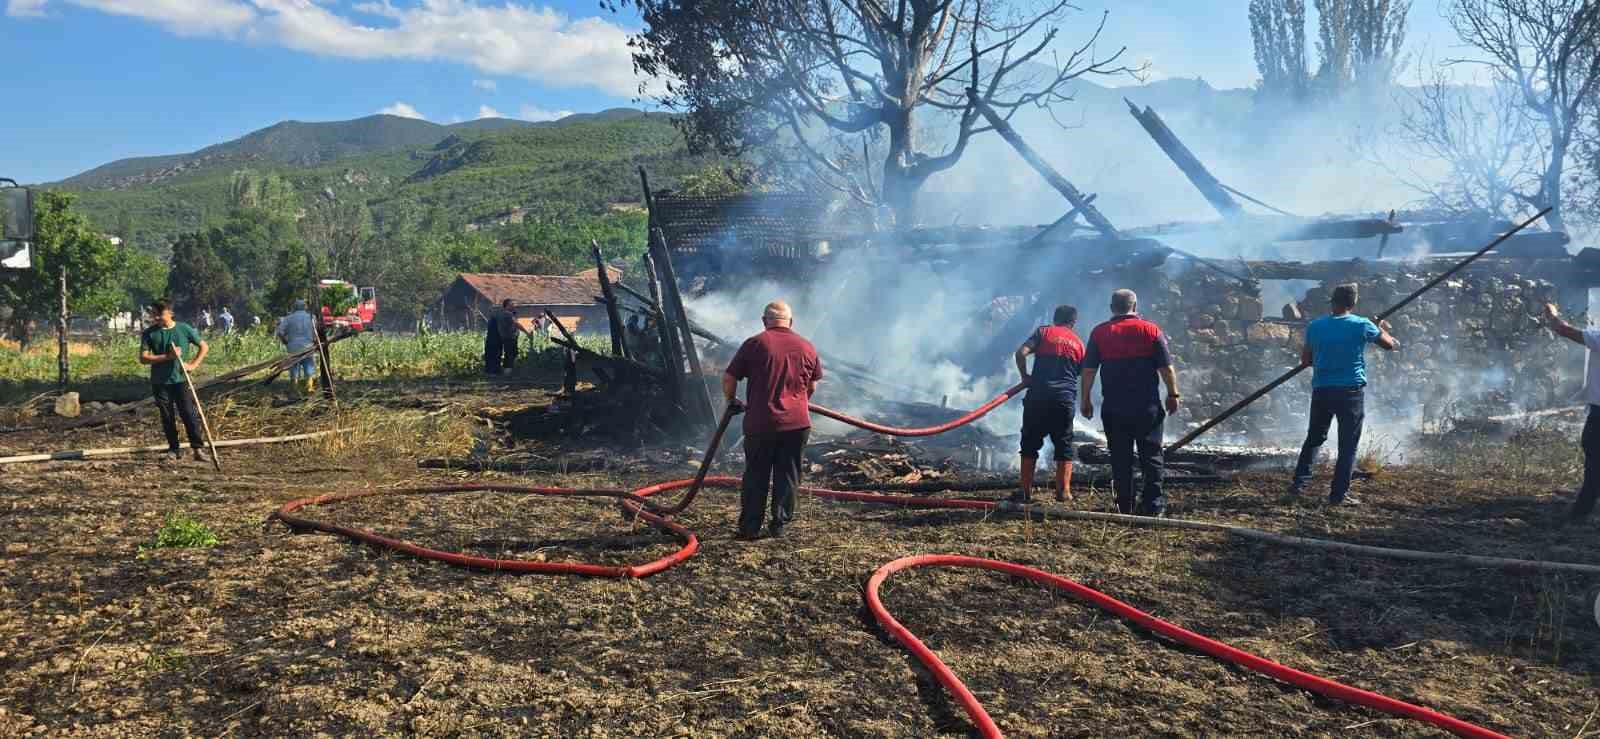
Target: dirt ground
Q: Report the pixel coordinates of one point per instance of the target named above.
(275, 634)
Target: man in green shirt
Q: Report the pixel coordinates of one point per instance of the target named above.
(163, 346)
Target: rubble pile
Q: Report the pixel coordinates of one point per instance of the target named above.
(1473, 345)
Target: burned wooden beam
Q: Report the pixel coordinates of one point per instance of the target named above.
(619, 344)
(1072, 194)
(1202, 179)
(679, 322)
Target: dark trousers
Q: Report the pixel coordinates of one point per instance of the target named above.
(1127, 433)
(1348, 404)
(498, 353)
(175, 402)
(770, 459)
(1591, 466)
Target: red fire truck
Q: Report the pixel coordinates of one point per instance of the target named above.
(363, 304)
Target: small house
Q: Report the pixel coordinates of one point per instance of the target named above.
(473, 297)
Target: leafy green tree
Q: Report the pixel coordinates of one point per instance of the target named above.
(290, 280)
(64, 240)
(248, 243)
(199, 278)
(64, 244)
(142, 279)
(269, 193)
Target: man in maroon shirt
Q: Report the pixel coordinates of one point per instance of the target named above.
(782, 370)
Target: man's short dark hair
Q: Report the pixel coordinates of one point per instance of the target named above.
(1344, 296)
(1066, 315)
(160, 306)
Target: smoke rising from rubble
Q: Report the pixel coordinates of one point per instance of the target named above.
(1471, 347)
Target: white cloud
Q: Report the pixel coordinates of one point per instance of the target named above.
(25, 8)
(226, 18)
(404, 110)
(533, 113)
(538, 43)
(485, 85)
(485, 111)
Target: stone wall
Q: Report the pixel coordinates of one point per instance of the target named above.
(1472, 345)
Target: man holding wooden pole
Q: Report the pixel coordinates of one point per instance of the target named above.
(162, 346)
(1335, 349)
(1590, 339)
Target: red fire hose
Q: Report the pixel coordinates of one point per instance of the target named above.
(986, 725)
(976, 414)
(638, 505)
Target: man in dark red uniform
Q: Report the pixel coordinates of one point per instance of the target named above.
(782, 370)
(1052, 399)
(1133, 352)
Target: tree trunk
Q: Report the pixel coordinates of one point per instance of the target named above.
(62, 362)
(1551, 186)
(899, 184)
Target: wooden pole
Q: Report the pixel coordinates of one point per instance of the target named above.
(1285, 377)
(1187, 162)
(115, 451)
(188, 381)
(619, 344)
(1073, 195)
(63, 361)
(671, 358)
(318, 337)
(680, 317)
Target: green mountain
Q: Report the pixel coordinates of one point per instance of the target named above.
(467, 172)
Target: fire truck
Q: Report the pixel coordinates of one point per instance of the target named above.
(362, 302)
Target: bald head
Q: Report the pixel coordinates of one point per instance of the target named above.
(777, 313)
(1123, 302)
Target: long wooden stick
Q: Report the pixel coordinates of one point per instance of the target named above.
(1393, 309)
(188, 381)
(1360, 550)
(277, 365)
(118, 451)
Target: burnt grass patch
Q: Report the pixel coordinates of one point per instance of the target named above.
(271, 633)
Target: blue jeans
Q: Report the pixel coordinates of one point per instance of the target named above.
(304, 369)
(1348, 404)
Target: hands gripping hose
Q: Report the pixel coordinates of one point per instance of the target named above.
(638, 505)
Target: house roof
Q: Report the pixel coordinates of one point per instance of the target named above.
(593, 273)
(773, 223)
(535, 289)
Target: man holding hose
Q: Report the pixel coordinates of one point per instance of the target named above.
(781, 370)
(163, 346)
(1052, 399)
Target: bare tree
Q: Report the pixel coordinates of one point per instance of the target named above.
(1481, 140)
(1278, 28)
(1545, 49)
(812, 76)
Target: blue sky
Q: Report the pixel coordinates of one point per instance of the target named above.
(96, 80)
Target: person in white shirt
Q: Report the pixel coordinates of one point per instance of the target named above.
(1590, 338)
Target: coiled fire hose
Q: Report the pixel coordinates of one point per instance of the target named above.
(637, 504)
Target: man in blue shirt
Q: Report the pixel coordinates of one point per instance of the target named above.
(1335, 349)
